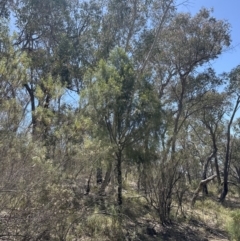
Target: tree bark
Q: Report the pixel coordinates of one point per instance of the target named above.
(99, 175)
(217, 170)
(204, 174)
(33, 108)
(119, 178)
(106, 179)
(88, 183)
(214, 153)
(227, 157)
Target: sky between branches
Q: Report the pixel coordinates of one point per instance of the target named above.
(225, 10)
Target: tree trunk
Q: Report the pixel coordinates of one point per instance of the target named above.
(204, 174)
(46, 126)
(88, 183)
(99, 175)
(203, 182)
(32, 100)
(237, 169)
(227, 157)
(217, 170)
(119, 178)
(106, 179)
(188, 174)
(214, 153)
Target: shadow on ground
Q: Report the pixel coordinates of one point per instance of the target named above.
(192, 231)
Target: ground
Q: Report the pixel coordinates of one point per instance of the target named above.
(206, 221)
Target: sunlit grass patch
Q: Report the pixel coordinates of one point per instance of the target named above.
(212, 213)
(233, 226)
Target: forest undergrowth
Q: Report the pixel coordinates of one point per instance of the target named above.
(207, 220)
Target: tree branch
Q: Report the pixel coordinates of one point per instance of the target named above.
(201, 184)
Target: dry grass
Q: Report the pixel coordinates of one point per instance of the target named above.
(208, 220)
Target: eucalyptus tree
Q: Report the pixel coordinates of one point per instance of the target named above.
(234, 77)
(186, 44)
(124, 22)
(13, 73)
(63, 38)
(208, 127)
(55, 36)
(213, 119)
(192, 41)
(234, 167)
(34, 25)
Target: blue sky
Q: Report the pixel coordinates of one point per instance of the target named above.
(224, 10)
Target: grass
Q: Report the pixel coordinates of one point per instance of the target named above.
(212, 213)
(223, 219)
(208, 220)
(233, 226)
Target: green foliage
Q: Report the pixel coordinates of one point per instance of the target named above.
(234, 77)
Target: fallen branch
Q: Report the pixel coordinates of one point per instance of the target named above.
(201, 184)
